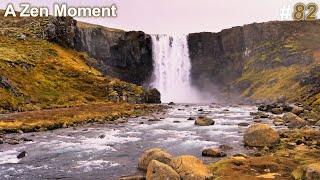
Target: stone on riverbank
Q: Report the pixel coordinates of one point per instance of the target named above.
(277, 110)
(190, 168)
(293, 121)
(296, 109)
(213, 152)
(260, 135)
(159, 170)
(204, 121)
(153, 154)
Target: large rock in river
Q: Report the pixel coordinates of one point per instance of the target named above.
(153, 154)
(296, 109)
(204, 121)
(158, 171)
(190, 168)
(261, 135)
(313, 171)
(293, 121)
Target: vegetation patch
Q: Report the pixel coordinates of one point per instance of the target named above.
(64, 117)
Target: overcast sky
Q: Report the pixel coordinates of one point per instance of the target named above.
(177, 16)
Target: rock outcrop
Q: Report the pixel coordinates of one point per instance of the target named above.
(190, 168)
(157, 170)
(232, 60)
(261, 135)
(204, 121)
(153, 154)
(116, 53)
(293, 121)
(213, 152)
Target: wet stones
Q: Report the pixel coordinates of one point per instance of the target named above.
(225, 147)
(191, 119)
(154, 120)
(101, 136)
(22, 155)
(243, 124)
(213, 152)
(204, 121)
(278, 122)
(132, 178)
(13, 142)
(277, 110)
(161, 165)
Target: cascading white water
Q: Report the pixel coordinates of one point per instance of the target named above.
(172, 68)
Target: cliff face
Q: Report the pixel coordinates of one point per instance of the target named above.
(257, 57)
(120, 54)
(125, 55)
(258, 61)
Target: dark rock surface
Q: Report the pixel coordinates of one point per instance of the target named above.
(117, 53)
(221, 58)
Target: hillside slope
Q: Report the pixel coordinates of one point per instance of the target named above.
(37, 74)
(261, 61)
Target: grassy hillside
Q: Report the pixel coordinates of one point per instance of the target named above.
(288, 66)
(37, 74)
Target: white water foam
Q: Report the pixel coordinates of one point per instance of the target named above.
(9, 157)
(172, 68)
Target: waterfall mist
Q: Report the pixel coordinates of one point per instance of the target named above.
(172, 66)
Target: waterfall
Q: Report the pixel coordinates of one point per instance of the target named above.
(172, 68)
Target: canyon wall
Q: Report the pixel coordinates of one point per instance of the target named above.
(257, 61)
(116, 53)
(252, 58)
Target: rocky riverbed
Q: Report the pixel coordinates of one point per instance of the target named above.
(112, 151)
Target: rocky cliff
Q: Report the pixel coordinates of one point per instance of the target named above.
(36, 73)
(256, 61)
(120, 54)
(260, 60)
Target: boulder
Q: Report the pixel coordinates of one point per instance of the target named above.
(318, 123)
(312, 121)
(158, 171)
(13, 142)
(153, 154)
(204, 121)
(313, 171)
(293, 121)
(22, 155)
(278, 122)
(259, 115)
(190, 168)
(225, 147)
(191, 119)
(132, 178)
(171, 103)
(154, 120)
(277, 110)
(281, 99)
(213, 152)
(260, 135)
(243, 124)
(296, 109)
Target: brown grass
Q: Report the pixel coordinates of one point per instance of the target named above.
(56, 118)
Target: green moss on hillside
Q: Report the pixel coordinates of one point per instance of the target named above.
(39, 74)
(278, 68)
